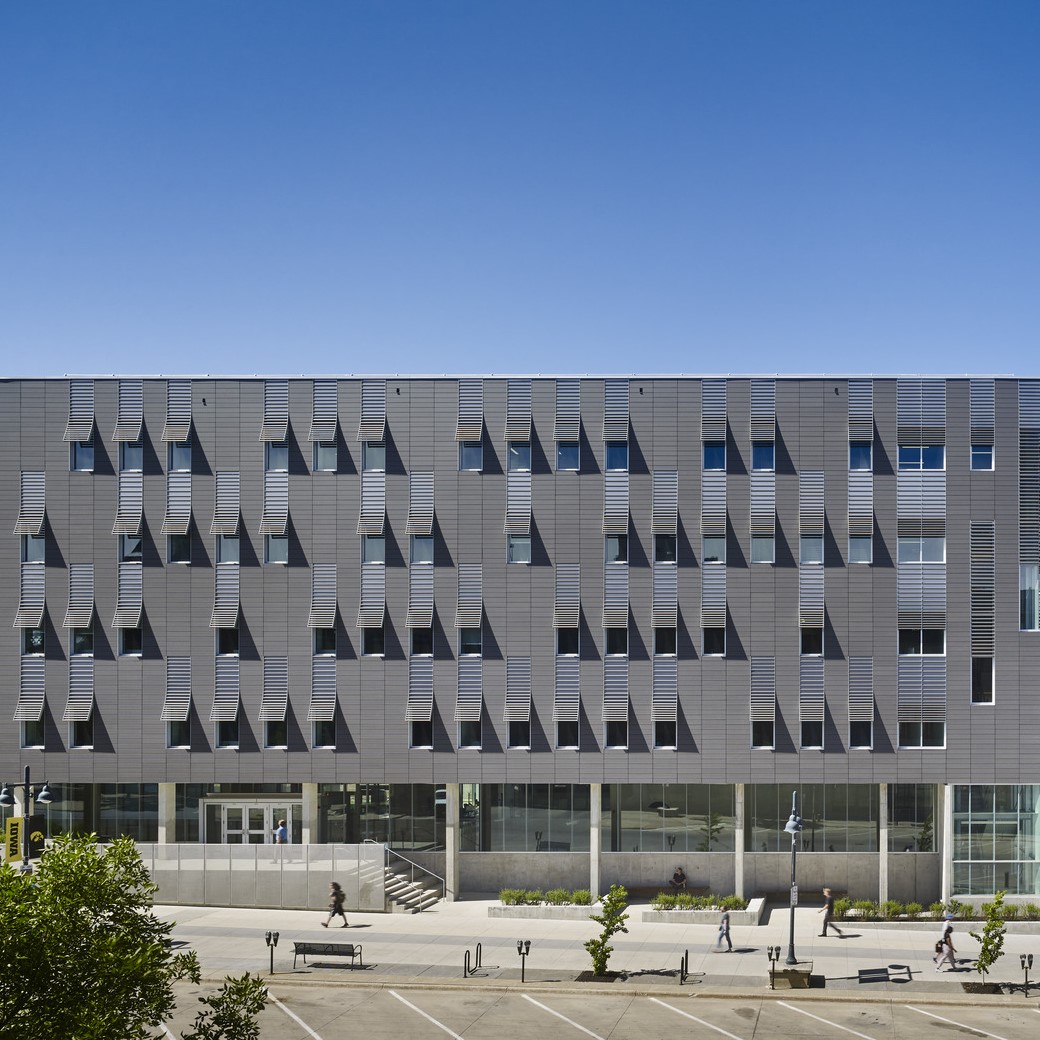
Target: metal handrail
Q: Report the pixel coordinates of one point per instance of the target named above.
(388, 852)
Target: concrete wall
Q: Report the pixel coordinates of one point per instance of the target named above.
(714, 870)
(855, 873)
(490, 872)
(915, 877)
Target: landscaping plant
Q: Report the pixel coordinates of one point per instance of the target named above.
(991, 938)
(612, 918)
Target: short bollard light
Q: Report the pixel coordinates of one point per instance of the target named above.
(271, 938)
(773, 953)
(1027, 963)
(523, 947)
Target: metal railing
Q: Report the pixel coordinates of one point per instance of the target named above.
(417, 887)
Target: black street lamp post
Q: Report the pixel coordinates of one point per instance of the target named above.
(43, 796)
(794, 828)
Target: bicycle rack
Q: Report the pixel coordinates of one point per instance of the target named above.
(684, 967)
(470, 968)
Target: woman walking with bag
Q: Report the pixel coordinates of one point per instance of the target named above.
(337, 897)
(944, 948)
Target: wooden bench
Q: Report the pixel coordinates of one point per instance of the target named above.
(327, 949)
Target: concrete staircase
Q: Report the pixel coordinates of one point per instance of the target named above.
(410, 890)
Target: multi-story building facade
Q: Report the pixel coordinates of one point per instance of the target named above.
(553, 630)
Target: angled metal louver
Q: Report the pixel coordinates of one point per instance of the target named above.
(615, 409)
(518, 689)
(373, 502)
(323, 596)
(615, 689)
(129, 595)
(32, 591)
(983, 599)
(470, 609)
(518, 503)
(921, 595)
(32, 504)
(810, 504)
(372, 609)
(81, 410)
(861, 504)
(763, 689)
(983, 410)
(275, 700)
(763, 409)
(32, 689)
(1029, 471)
(177, 427)
(664, 706)
(811, 701)
(81, 596)
(810, 595)
(567, 600)
(80, 704)
(861, 410)
(567, 424)
(1029, 404)
(372, 424)
(470, 697)
(921, 689)
(567, 689)
(763, 504)
(713, 504)
(177, 702)
(322, 707)
(226, 596)
(861, 689)
(933, 689)
(275, 426)
(419, 707)
(921, 411)
(615, 502)
(275, 517)
(665, 516)
(713, 595)
(130, 507)
(420, 504)
(921, 502)
(130, 416)
(324, 410)
(518, 410)
(713, 410)
(615, 595)
(227, 507)
(470, 425)
(665, 610)
(226, 690)
(420, 596)
(178, 504)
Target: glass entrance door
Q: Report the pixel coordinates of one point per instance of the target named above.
(251, 823)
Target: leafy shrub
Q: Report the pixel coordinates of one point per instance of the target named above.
(581, 897)
(733, 903)
(533, 896)
(842, 907)
(891, 909)
(663, 901)
(867, 910)
(557, 896)
(936, 910)
(685, 901)
(914, 909)
(1031, 912)
(1011, 911)
(512, 896)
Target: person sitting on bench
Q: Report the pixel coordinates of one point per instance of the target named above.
(678, 881)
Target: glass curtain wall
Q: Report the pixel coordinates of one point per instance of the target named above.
(668, 818)
(911, 818)
(525, 817)
(836, 817)
(996, 839)
(406, 816)
(190, 796)
(107, 810)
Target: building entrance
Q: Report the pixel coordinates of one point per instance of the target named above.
(251, 822)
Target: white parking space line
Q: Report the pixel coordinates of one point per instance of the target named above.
(296, 1018)
(167, 1032)
(825, 1021)
(950, 1021)
(429, 1018)
(694, 1018)
(569, 1021)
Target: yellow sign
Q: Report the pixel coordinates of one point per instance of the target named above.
(13, 839)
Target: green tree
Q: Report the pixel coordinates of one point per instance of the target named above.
(231, 1013)
(991, 938)
(612, 918)
(711, 828)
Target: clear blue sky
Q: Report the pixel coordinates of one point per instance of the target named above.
(578, 185)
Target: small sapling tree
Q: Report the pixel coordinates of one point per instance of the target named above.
(612, 918)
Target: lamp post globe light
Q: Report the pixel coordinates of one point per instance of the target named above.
(43, 796)
(794, 828)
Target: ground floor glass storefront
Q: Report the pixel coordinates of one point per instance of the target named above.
(996, 839)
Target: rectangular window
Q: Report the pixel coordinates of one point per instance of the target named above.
(861, 455)
(762, 548)
(178, 548)
(714, 642)
(763, 455)
(130, 642)
(227, 548)
(664, 735)
(861, 549)
(665, 548)
(33, 640)
(129, 547)
(519, 456)
(421, 734)
(81, 733)
(32, 734)
(178, 457)
(373, 642)
(615, 548)
(34, 548)
(373, 548)
(616, 454)
(227, 641)
(276, 733)
(812, 734)
(373, 457)
(982, 680)
(471, 456)
(921, 550)
(922, 734)
(1029, 597)
(324, 734)
(928, 456)
(422, 642)
(82, 641)
(324, 642)
(982, 456)
(616, 640)
(567, 456)
(326, 457)
(567, 734)
(470, 642)
(714, 549)
(929, 641)
(519, 548)
(178, 734)
(131, 457)
(861, 734)
(421, 549)
(81, 456)
(617, 735)
(811, 549)
(715, 455)
(567, 642)
(664, 642)
(276, 457)
(227, 734)
(469, 735)
(276, 548)
(762, 734)
(812, 642)
(520, 734)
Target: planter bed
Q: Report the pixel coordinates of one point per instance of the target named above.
(544, 912)
(929, 924)
(751, 915)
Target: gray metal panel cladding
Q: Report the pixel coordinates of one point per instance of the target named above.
(665, 515)
(615, 409)
(275, 700)
(129, 595)
(861, 410)
(518, 503)
(567, 600)
(275, 517)
(32, 503)
(324, 410)
(763, 689)
(322, 707)
(32, 688)
(420, 504)
(226, 690)
(763, 409)
(226, 595)
(921, 411)
(373, 502)
(372, 608)
(420, 596)
(615, 688)
(419, 707)
(81, 410)
(81, 689)
(567, 422)
(811, 700)
(518, 410)
(372, 422)
(861, 689)
(982, 398)
(81, 596)
(177, 702)
(275, 426)
(470, 690)
(32, 596)
(664, 705)
(470, 423)
(713, 409)
(983, 588)
(227, 506)
(178, 504)
(177, 426)
(518, 689)
(130, 505)
(130, 417)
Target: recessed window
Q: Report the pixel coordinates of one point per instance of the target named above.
(324, 734)
(714, 455)
(664, 735)
(326, 457)
(227, 641)
(1028, 597)
(617, 735)
(469, 735)
(567, 456)
(921, 550)
(129, 547)
(615, 548)
(32, 734)
(519, 548)
(276, 548)
(421, 549)
(373, 642)
(812, 642)
(810, 549)
(762, 734)
(471, 456)
(324, 642)
(178, 456)
(520, 734)
(664, 642)
(373, 548)
(567, 642)
(713, 642)
(616, 640)
(82, 641)
(922, 734)
(861, 549)
(178, 548)
(81, 733)
(927, 641)
(519, 456)
(470, 642)
(81, 456)
(276, 457)
(34, 548)
(665, 548)
(762, 548)
(33, 641)
(616, 455)
(982, 680)
(927, 456)
(276, 733)
(567, 734)
(373, 456)
(422, 642)
(131, 456)
(812, 734)
(227, 548)
(763, 455)
(130, 642)
(421, 734)
(861, 455)
(227, 734)
(982, 456)
(714, 549)
(861, 734)
(178, 734)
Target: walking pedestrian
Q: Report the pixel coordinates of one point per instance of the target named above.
(828, 914)
(337, 897)
(281, 834)
(944, 948)
(724, 933)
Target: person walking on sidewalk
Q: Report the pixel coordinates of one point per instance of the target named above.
(944, 948)
(724, 933)
(828, 914)
(337, 897)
